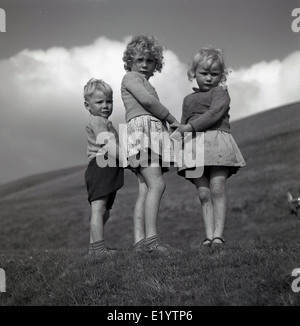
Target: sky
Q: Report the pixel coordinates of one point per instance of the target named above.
(51, 48)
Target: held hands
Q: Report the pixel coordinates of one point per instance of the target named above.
(178, 134)
(174, 125)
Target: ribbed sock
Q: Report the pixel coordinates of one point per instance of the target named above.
(99, 246)
(91, 248)
(151, 240)
(138, 244)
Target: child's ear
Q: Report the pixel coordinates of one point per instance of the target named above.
(87, 106)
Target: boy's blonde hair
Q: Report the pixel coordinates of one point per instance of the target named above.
(208, 55)
(94, 84)
(143, 44)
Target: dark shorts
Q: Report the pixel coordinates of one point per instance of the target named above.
(102, 182)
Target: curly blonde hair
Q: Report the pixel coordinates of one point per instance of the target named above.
(208, 55)
(143, 44)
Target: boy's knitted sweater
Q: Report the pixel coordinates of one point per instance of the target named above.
(95, 126)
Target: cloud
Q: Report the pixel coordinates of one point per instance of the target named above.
(265, 85)
(42, 113)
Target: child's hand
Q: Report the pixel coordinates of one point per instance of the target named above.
(174, 125)
(179, 132)
(176, 136)
(103, 150)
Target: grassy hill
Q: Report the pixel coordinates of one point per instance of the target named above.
(49, 213)
(50, 210)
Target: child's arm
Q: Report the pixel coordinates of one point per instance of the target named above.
(179, 132)
(133, 83)
(218, 108)
(183, 127)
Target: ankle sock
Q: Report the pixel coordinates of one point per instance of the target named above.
(99, 246)
(91, 248)
(151, 240)
(138, 244)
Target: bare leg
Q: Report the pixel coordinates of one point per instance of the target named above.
(139, 210)
(202, 185)
(97, 220)
(156, 187)
(218, 177)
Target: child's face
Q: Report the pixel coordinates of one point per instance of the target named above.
(208, 76)
(99, 104)
(144, 63)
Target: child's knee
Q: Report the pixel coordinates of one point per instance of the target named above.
(218, 191)
(98, 206)
(158, 186)
(204, 196)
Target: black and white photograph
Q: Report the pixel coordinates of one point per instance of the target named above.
(150, 156)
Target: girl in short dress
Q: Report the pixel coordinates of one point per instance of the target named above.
(206, 110)
(147, 138)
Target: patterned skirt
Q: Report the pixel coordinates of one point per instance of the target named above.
(147, 143)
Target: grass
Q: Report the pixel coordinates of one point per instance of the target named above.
(44, 234)
(234, 276)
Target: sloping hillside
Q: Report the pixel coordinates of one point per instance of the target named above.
(51, 211)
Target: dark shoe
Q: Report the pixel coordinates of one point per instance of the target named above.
(158, 247)
(107, 252)
(139, 246)
(206, 242)
(216, 244)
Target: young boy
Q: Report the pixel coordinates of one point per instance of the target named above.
(102, 181)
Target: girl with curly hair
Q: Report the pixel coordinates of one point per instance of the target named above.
(147, 138)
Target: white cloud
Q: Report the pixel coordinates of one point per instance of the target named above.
(265, 85)
(42, 113)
